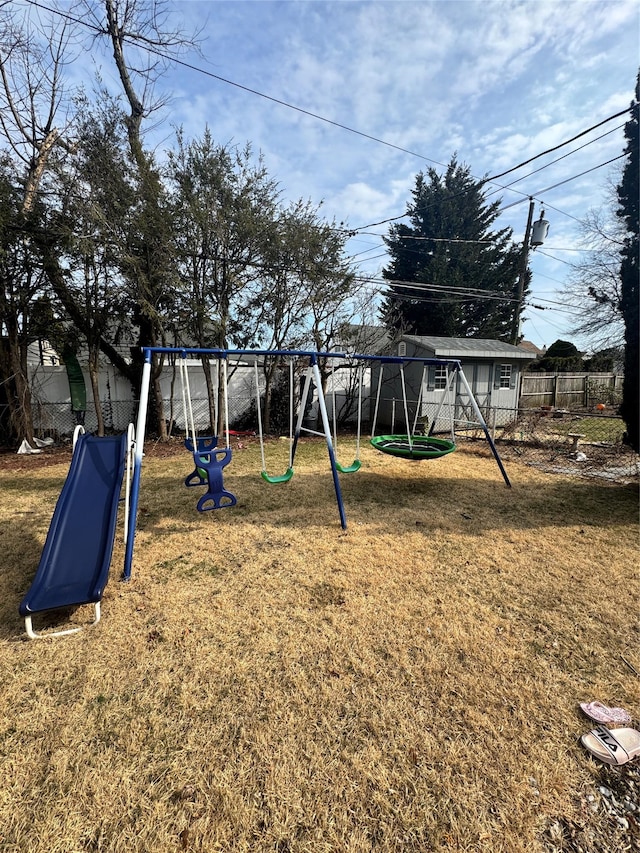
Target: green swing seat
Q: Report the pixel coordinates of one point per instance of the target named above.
(349, 469)
(281, 478)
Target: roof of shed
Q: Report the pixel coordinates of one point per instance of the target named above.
(468, 347)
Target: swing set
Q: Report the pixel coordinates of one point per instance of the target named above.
(210, 460)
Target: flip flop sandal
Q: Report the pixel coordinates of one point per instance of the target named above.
(612, 747)
(601, 714)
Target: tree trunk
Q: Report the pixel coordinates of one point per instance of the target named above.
(157, 399)
(157, 409)
(206, 367)
(268, 394)
(95, 388)
(56, 278)
(18, 389)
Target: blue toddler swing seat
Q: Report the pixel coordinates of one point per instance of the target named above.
(209, 459)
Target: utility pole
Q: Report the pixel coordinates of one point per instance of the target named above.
(515, 329)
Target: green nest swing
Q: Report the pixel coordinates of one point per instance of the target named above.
(414, 447)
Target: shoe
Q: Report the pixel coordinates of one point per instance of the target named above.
(612, 747)
(601, 714)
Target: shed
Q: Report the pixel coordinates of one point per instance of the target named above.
(493, 370)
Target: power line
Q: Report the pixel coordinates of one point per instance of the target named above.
(432, 239)
(549, 277)
(163, 55)
(561, 212)
(580, 174)
(539, 193)
(561, 145)
(526, 197)
(372, 258)
(456, 294)
(553, 258)
(444, 289)
(557, 160)
(443, 298)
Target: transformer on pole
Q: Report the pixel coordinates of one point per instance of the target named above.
(532, 237)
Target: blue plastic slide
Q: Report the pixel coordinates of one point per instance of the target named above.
(74, 566)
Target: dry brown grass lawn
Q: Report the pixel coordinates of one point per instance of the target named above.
(269, 682)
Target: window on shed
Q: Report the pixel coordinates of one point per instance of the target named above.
(505, 376)
(441, 377)
(402, 349)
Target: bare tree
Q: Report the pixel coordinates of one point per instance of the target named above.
(35, 122)
(35, 113)
(144, 42)
(594, 288)
(329, 286)
(281, 301)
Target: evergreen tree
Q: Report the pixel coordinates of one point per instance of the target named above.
(449, 257)
(629, 196)
(561, 357)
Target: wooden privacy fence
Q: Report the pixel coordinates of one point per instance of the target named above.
(570, 390)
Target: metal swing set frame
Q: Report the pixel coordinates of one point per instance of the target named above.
(206, 462)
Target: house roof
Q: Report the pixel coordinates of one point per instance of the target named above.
(529, 346)
(365, 338)
(468, 348)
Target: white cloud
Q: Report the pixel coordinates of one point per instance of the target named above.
(363, 204)
(497, 81)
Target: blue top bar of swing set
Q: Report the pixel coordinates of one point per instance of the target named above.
(224, 353)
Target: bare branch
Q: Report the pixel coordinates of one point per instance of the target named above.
(144, 41)
(32, 92)
(594, 287)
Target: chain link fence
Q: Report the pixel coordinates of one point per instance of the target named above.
(548, 428)
(58, 421)
(582, 442)
(542, 428)
(573, 441)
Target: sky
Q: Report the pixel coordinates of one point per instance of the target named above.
(495, 82)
